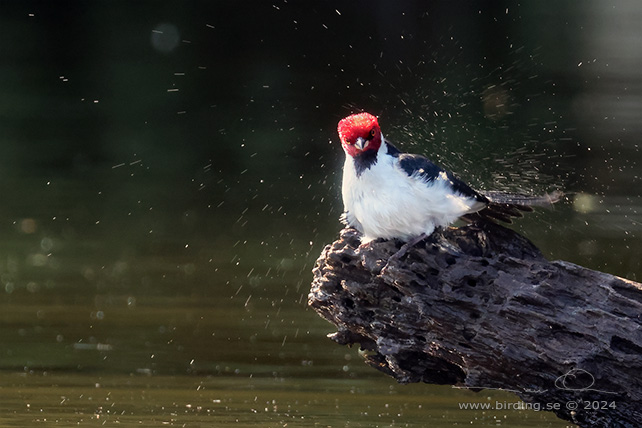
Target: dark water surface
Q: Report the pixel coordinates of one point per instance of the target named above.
(102, 326)
(169, 173)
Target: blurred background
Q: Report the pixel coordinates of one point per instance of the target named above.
(170, 172)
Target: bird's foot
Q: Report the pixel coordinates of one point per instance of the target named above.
(403, 250)
(367, 245)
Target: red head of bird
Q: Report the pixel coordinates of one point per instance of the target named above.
(359, 133)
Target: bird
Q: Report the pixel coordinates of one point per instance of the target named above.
(394, 195)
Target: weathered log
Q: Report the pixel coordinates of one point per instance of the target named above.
(479, 307)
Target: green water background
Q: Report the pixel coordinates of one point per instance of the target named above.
(169, 173)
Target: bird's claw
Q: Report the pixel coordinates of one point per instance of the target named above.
(402, 251)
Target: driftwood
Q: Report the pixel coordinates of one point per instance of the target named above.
(479, 307)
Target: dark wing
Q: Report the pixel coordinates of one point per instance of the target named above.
(416, 165)
(498, 205)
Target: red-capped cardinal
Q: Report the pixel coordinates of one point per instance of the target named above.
(389, 194)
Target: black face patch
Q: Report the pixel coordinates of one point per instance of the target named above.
(364, 160)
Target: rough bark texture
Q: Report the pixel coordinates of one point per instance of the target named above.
(480, 307)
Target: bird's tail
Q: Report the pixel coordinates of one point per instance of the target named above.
(505, 206)
(525, 201)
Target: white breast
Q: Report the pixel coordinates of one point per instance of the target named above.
(384, 202)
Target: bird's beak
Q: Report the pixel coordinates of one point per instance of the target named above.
(361, 143)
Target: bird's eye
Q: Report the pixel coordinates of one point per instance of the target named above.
(372, 132)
